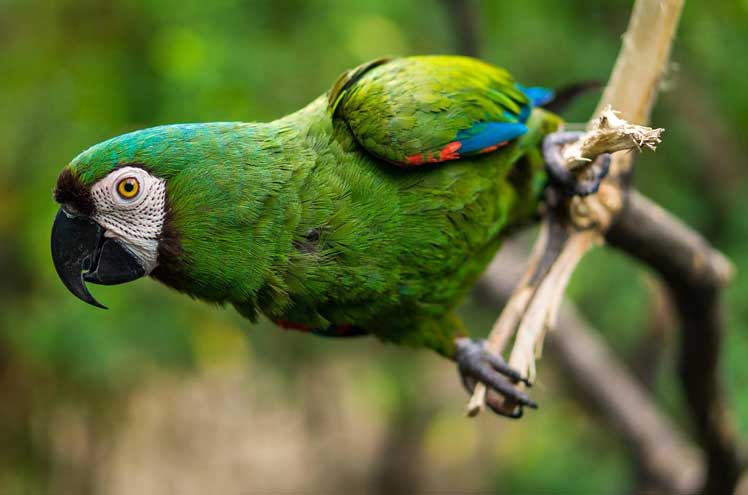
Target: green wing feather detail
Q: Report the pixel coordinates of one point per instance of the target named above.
(348, 78)
(415, 107)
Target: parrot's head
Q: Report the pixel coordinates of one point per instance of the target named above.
(117, 200)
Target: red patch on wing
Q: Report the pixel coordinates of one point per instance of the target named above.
(449, 152)
(336, 330)
(489, 149)
(416, 159)
(291, 325)
(343, 329)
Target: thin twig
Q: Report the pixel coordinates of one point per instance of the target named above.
(464, 17)
(608, 134)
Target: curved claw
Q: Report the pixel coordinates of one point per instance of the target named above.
(501, 409)
(476, 364)
(569, 183)
(498, 363)
(492, 401)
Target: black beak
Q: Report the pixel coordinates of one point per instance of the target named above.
(81, 253)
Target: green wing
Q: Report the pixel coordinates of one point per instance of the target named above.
(417, 110)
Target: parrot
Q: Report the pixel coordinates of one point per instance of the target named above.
(371, 211)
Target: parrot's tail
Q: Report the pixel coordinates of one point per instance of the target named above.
(566, 95)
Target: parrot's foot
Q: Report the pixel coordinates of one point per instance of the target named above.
(475, 364)
(561, 177)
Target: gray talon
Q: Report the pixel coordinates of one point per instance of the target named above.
(498, 407)
(567, 182)
(475, 364)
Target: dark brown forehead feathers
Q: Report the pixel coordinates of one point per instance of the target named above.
(70, 191)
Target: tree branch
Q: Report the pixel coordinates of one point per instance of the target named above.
(695, 273)
(605, 384)
(462, 12)
(578, 223)
(648, 232)
(693, 270)
(643, 59)
(608, 134)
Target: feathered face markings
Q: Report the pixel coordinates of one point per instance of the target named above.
(71, 192)
(131, 205)
(109, 233)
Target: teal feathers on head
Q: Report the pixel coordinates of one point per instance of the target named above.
(165, 150)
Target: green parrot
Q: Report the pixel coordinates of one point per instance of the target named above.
(372, 210)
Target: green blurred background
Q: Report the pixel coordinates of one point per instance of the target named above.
(162, 394)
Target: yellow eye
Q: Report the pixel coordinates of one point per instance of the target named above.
(128, 188)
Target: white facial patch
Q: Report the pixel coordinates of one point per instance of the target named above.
(136, 221)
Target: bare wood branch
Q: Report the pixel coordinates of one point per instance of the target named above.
(640, 66)
(595, 371)
(535, 304)
(637, 73)
(694, 273)
(643, 59)
(691, 267)
(664, 242)
(464, 16)
(607, 134)
(498, 338)
(605, 384)
(536, 320)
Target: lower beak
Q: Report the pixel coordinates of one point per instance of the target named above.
(82, 253)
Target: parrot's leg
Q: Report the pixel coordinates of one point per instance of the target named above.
(475, 364)
(569, 183)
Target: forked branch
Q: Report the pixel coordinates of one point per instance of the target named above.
(534, 305)
(572, 227)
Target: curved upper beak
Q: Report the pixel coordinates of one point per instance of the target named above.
(82, 253)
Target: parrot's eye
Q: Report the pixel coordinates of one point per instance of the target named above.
(128, 188)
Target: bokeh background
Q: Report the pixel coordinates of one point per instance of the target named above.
(162, 394)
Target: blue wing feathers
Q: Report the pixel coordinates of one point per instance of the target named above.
(486, 134)
(538, 96)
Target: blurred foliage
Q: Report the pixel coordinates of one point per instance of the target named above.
(77, 72)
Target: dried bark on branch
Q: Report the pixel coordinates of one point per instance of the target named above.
(608, 134)
(693, 271)
(604, 384)
(573, 226)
